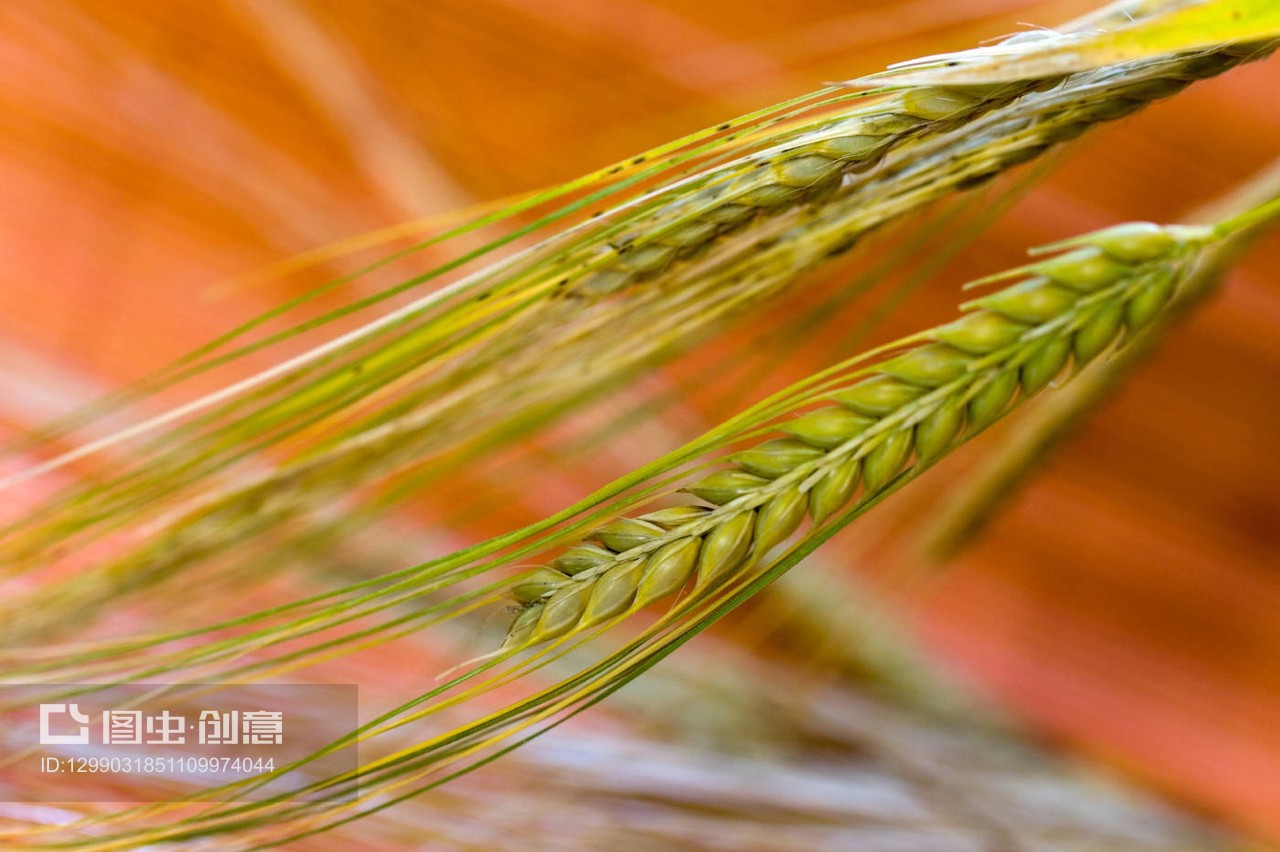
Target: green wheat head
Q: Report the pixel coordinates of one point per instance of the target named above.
(911, 410)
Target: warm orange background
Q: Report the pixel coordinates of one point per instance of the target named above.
(1126, 604)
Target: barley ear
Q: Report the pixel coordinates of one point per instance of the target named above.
(900, 415)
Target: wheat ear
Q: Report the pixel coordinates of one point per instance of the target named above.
(801, 170)
(910, 410)
(813, 163)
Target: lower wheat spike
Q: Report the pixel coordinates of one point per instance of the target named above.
(945, 386)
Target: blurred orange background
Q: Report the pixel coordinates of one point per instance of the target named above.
(1126, 603)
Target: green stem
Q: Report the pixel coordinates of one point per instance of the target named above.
(1251, 219)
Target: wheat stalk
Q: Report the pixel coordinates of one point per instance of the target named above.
(911, 410)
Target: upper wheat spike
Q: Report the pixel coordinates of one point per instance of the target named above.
(908, 411)
(797, 171)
